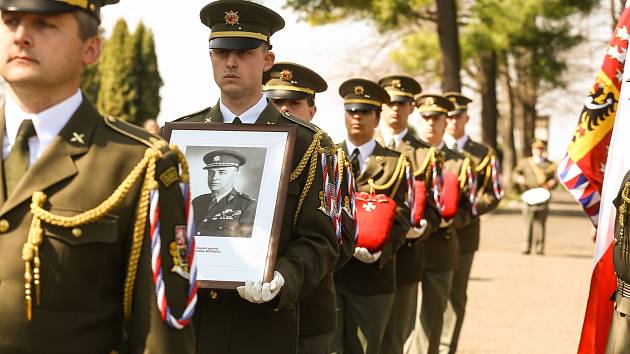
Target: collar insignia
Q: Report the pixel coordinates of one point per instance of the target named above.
(77, 138)
(231, 17)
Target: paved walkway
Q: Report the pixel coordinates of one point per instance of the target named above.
(529, 304)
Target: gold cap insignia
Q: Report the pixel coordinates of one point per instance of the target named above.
(429, 101)
(286, 75)
(217, 158)
(396, 83)
(453, 99)
(231, 17)
(359, 90)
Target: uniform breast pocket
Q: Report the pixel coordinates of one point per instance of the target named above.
(82, 266)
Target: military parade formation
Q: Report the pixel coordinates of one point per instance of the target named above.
(94, 211)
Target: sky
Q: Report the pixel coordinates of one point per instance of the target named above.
(337, 52)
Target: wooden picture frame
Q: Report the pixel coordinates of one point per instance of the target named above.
(236, 251)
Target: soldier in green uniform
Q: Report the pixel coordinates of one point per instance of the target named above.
(291, 88)
(225, 211)
(394, 133)
(75, 256)
(264, 318)
(619, 335)
(535, 172)
(442, 246)
(367, 283)
(487, 198)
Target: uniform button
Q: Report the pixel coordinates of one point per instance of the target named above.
(213, 295)
(4, 225)
(276, 310)
(615, 240)
(76, 232)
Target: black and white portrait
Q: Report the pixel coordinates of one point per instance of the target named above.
(226, 205)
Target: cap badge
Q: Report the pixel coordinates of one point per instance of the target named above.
(453, 99)
(217, 158)
(231, 17)
(396, 83)
(286, 75)
(359, 90)
(429, 102)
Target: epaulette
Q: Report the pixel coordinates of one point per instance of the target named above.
(245, 196)
(136, 133)
(301, 122)
(191, 115)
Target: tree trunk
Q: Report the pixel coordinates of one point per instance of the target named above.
(488, 86)
(507, 136)
(449, 45)
(526, 97)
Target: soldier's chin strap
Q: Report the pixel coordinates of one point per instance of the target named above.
(146, 169)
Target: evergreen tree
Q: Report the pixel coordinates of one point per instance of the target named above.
(91, 83)
(149, 79)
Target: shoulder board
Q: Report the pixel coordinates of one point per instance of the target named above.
(301, 122)
(191, 115)
(136, 133)
(245, 196)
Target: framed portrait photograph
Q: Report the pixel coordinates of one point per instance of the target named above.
(239, 175)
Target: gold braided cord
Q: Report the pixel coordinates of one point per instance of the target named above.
(315, 145)
(400, 178)
(341, 163)
(400, 165)
(463, 174)
(623, 209)
(427, 160)
(307, 187)
(482, 165)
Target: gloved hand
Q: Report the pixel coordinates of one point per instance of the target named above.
(445, 223)
(258, 292)
(365, 256)
(416, 232)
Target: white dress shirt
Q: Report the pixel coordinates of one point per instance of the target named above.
(397, 137)
(365, 151)
(248, 117)
(47, 124)
(449, 141)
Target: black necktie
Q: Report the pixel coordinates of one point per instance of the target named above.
(16, 164)
(237, 120)
(392, 144)
(354, 162)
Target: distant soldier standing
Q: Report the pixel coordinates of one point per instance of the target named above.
(487, 196)
(530, 173)
(75, 246)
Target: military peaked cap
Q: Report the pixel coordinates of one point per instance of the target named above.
(362, 94)
(400, 88)
(223, 158)
(459, 101)
(239, 24)
(290, 81)
(432, 105)
(92, 7)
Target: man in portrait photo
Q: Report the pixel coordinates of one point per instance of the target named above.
(224, 211)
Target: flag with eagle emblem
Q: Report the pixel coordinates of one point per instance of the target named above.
(595, 151)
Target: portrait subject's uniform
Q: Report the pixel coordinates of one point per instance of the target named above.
(231, 216)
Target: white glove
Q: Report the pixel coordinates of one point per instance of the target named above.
(416, 232)
(445, 223)
(365, 256)
(258, 292)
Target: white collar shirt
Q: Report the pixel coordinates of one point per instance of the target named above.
(397, 137)
(47, 124)
(365, 151)
(248, 117)
(450, 141)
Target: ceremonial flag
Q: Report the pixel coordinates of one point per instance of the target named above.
(594, 160)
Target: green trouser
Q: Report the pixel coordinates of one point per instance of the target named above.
(535, 218)
(402, 319)
(436, 291)
(454, 314)
(619, 335)
(319, 344)
(361, 321)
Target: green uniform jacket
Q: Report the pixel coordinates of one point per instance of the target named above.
(487, 200)
(410, 257)
(535, 174)
(232, 216)
(379, 277)
(621, 250)
(83, 269)
(226, 323)
(442, 246)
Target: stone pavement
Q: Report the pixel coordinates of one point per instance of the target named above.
(528, 303)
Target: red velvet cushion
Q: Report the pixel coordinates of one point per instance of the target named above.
(420, 190)
(375, 218)
(450, 195)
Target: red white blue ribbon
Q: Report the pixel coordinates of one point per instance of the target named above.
(411, 193)
(496, 184)
(472, 188)
(156, 261)
(436, 182)
(332, 191)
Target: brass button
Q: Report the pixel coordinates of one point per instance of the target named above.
(615, 240)
(76, 232)
(213, 295)
(4, 225)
